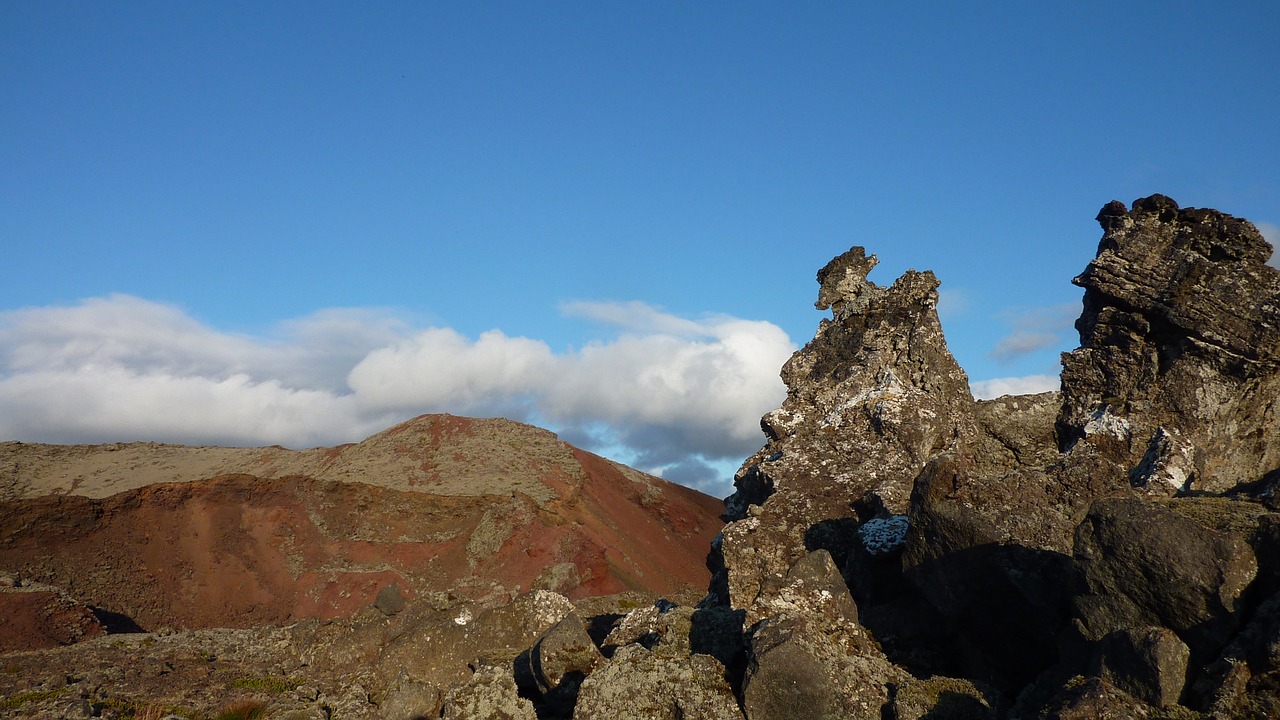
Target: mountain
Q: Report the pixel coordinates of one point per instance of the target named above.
(165, 536)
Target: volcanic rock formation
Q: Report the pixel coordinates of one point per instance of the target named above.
(1102, 549)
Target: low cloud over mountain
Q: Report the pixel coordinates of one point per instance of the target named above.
(673, 391)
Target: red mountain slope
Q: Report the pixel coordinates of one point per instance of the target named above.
(495, 507)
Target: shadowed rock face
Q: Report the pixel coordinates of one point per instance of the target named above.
(243, 550)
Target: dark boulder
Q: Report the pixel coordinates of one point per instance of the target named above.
(831, 673)
(976, 551)
(1096, 699)
(1141, 564)
(1149, 663)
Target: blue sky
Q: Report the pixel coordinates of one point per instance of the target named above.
(299, 222)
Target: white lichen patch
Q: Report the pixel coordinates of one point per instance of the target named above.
(882, 535)
(1168, 467)
(1104, 423)
(549, 607)
(885, 396)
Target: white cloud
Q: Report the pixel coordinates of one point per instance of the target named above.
(439, 369)
(996, 387)
(119, 330)
(634, 315)
(671, 391)
(95, 404)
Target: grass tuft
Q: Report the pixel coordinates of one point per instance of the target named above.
(21, 699)
(243, 710)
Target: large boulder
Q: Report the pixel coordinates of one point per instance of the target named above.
(1016, 431)
(810, 652)
(1149, 663)
(1142, 564)
(491, 694)
(987, 554)
(637, 684)
(564, 651)
(553, 669)
(1245, 680)
(834, 673)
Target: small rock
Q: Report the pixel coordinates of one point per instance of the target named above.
(390, 601)
(563, 651)
(490, 693)
(637, 684)
(1148, 663)
(943, 698)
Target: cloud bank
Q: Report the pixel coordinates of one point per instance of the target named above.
(996, 387)
(673, 393)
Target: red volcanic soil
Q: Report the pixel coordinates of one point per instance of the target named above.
(240, 550)
(34, 619)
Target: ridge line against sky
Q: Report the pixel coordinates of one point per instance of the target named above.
(299, 223)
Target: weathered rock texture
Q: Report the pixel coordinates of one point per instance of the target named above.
(870, 400)
(1016, 543)
(1179, 346)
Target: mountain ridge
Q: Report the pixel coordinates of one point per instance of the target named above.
(477, 509)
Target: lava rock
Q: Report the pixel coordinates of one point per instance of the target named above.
(975, 549)
(1180, 332)
(565, 649)
(872, 398)
(490, 693)
(1142, 564)
(636, 684)
(944, 698)
(829, 672)
(1149, 663)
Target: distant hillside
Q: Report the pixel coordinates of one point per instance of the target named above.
(179, 536)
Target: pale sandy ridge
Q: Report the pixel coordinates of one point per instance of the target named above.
(428, 454)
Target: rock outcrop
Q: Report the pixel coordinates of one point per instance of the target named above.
(1179, 358)
(870, 400)
(1017, 543)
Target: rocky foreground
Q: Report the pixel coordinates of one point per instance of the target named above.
(895, 550)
